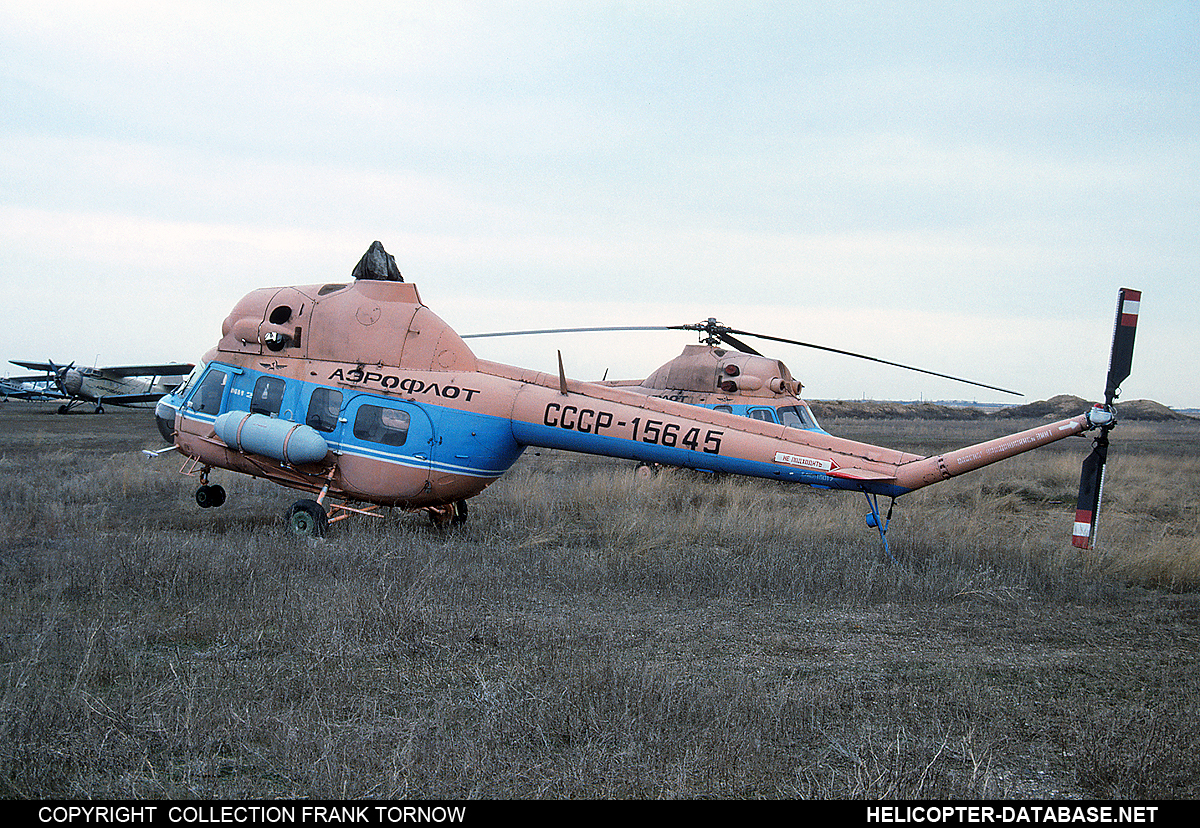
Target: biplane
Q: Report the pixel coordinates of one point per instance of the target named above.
(124, 385)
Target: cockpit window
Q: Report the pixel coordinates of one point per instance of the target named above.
(208, 396)
(191, 378)
(796, 416)
(764, 414)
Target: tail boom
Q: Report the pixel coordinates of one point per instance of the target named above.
(927, 471)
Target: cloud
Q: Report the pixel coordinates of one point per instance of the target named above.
(985, 177)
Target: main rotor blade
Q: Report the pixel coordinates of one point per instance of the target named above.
(1121, 360)
(874, 359)
(726, 335)
(1091, 489)
(737, 343)
(568, 330)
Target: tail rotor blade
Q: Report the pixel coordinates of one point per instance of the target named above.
(1091, 480)
(1091, 489)
(1121, 362)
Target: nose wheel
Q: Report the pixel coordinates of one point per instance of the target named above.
(209, 497)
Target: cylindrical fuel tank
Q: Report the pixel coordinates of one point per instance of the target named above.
(282, 440)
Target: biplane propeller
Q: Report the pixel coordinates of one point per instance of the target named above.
(360, 396)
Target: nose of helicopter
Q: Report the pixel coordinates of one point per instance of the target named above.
(164, 418)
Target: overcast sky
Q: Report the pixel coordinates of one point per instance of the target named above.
(961, 187)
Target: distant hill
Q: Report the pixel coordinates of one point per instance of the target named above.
(1055, 408)
(877, 410)
(1063, 406)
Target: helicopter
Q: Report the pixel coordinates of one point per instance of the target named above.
(360, 396)
(723, 373)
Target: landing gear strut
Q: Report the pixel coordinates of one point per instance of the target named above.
(452, 514)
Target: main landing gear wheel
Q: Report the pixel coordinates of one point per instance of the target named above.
(307, 517)
(646, 471)
(208, 497)
(452, 514)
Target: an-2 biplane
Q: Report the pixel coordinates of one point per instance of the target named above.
(358, 394)
(124, 385)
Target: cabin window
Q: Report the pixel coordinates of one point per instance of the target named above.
(764, 414)
(381, 425)
(268, 396)
(796, 416)
(210, 393)
(323, 409)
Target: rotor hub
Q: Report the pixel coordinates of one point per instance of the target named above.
(1102, 416)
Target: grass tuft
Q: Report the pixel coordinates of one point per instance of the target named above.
(588, 634)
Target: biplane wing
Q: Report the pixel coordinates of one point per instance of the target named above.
(173, 369)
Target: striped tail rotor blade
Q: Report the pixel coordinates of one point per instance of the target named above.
(1129, 303)
(1091, 488)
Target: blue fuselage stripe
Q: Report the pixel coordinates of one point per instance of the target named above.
(571, 440)
(485, 446)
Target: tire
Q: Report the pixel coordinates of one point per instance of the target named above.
(308, 518)
(206, 498)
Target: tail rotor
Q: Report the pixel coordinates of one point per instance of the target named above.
(1091, 481)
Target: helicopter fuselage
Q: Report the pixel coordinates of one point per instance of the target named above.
(409, 417)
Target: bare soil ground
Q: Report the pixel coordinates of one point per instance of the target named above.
(590, 635)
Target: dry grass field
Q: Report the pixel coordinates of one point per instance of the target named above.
(587, 635)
